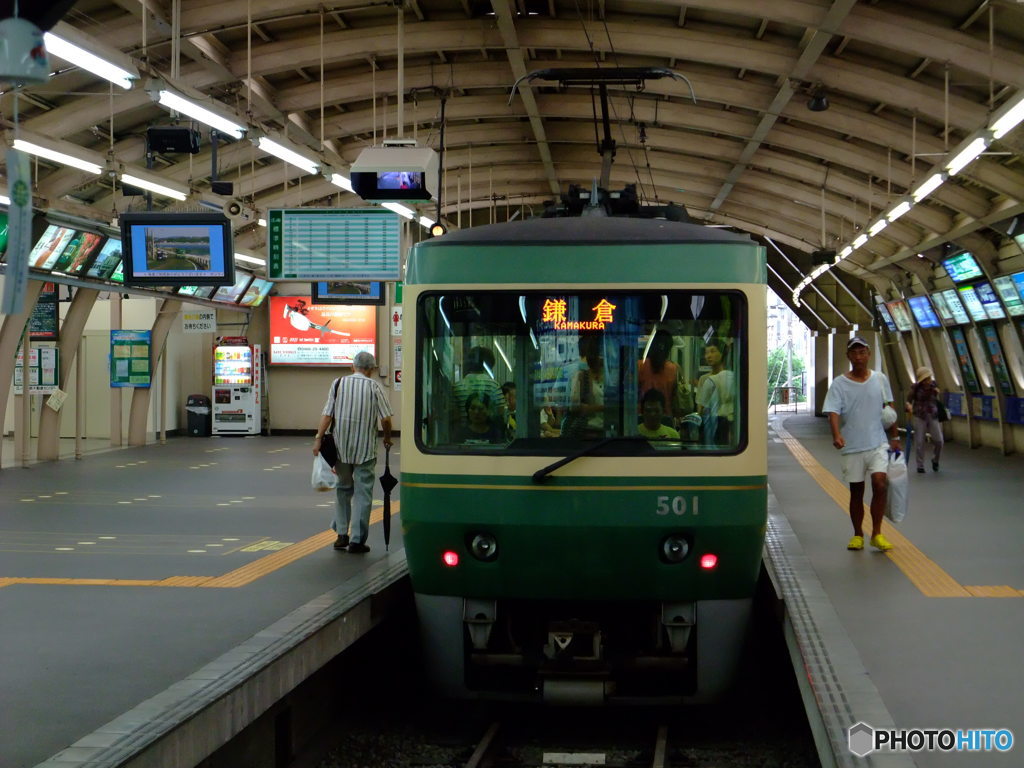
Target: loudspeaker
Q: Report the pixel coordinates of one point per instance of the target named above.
(222, 187)
(823, 256)
(167, 140)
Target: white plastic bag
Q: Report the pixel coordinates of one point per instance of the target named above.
(899, 486)
(324, 478)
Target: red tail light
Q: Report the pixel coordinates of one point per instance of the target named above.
(450, 558)
(709, 561)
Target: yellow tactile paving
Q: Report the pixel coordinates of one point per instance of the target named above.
(236, 578)
(923, 572)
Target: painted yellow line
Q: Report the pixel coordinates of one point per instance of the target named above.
(236, 578)
(471, 487)
(923, 572)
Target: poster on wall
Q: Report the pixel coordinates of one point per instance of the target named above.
(42, 323)
(303, 333)
(129, 358)
(995, 356)
(963, 357)
(43, 370)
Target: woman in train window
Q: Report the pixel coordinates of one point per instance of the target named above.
(586, 393)
(716, 395)
(479, 426)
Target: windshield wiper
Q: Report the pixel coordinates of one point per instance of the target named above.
(541, 475)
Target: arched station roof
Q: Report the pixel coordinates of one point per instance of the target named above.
(906, 82)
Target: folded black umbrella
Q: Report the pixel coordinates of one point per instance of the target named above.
(387, 484)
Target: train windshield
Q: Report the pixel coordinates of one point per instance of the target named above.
(550, 372)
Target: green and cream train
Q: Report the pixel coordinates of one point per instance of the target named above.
(584, 457)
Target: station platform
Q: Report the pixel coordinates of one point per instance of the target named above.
(134, 574)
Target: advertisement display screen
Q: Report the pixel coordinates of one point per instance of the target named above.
(963, 358)
(883, 312)
(993, 309)
(79, 251)
(230, 294)
(973, 303)
(900, 314)
(302, 333)
(177, 249)
(50, 246)
(942, 308)
(199, 291)
(962, 267)
(106, 261)
(1009, 294)
(923, 312)
(255, 293)
(956, 308)
(343, 292)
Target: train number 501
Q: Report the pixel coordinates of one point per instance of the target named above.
(677, 505)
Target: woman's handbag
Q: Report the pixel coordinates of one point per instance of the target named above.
(328, 448)
(942, 410)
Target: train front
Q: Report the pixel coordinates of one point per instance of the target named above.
(583, 458)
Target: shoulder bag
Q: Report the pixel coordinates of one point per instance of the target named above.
(943, 411)
(328, 448)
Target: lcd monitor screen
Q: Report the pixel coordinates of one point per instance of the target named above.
(923, 312)
(942, 308)
(883, 312)
(255, 293)
(1018, 282)
(962, 267)
(3, 234)
(50, 246)
(229, 294)
(956, 308)
(177, 249)
(107, 260)
(78, 253)
(993, 309)
(344, 292)
(198, 291)
(302, 333)
(1008, 292)
(390, 185)
(973, 303)
(900, 314)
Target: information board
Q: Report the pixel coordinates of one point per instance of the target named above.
(43, 324)
(312, 244)
(43, 370)
(129, 358)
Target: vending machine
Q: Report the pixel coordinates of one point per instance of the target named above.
(237, 388)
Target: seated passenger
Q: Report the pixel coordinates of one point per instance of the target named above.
(479, 427)
(508, 389)
(653, 408)
(656, 371)
(476, 380)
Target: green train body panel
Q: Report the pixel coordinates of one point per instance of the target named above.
(584, 538)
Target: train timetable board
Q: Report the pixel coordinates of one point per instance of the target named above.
(129, 358)
(311, 244)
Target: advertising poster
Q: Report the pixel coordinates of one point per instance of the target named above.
(129, 358)
(963, 356)
(303, 333)
(43, 370)
(995, 352)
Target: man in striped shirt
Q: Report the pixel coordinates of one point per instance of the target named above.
(354, 403)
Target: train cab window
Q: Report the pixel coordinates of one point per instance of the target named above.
(551, 372)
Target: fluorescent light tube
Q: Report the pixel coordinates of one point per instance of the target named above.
(929, 186)
(1009, 121)
(202, 114)
(342, 181)
(80, 57)
(861, 239)
(898, 211)
(152, 186)
(427, 223)
(5, 200)
(250, 259)
(846, 252)
(401, 210)
(966, 155)
(282, 152)
(878, 226)
(57, 157)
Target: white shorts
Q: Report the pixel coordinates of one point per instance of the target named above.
(857, 466)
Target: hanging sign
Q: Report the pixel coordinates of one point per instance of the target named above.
(19, 232)
(199, 321)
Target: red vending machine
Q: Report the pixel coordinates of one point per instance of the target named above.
(237, 387)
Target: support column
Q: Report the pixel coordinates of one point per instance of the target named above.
(840, 363)
(141, 397)
(822, 370)
(10, 337)
(115, 392)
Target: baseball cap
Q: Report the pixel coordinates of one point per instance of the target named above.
(857, 341)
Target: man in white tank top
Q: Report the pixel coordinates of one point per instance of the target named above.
(854, 406)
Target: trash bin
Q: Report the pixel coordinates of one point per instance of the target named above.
(199, 418)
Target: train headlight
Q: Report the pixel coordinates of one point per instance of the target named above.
(674, 548)
(484, 547)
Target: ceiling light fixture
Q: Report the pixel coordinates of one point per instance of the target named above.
(861, 239)
(966, 155)
(75, 54)
(401, 210)
(930, 185)
(282, 152)
(152, 186)
(341, 181)
(898, 211)
(5, 200)
(57, 156)
(1006, 122)
(878, 226)
(208, 117)
(250, 259)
